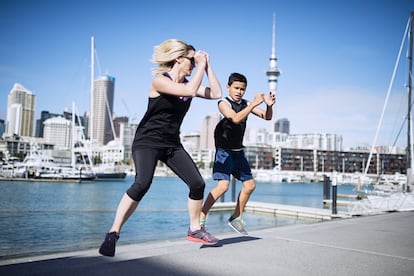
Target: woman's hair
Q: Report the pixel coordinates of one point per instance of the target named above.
(165, 54)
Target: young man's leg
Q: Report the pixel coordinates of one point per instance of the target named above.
(243, 198)
(235, 221)
(245, 175)
(223, 166)
(215, 193)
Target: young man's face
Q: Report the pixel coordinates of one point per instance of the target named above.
(236, 90)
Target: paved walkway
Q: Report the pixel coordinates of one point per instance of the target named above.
(371, 245)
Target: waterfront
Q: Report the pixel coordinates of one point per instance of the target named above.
(39, 218)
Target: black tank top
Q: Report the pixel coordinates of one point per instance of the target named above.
(160, 126)
(228, 135)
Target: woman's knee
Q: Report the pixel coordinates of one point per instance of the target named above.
(138, 190)
(196, 193)
(197, 190)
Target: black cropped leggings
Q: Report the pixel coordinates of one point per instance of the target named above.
(177, 159)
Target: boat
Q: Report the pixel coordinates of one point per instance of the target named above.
(393, 192)
(114, 171)
(38, 166)
(391, 183)
(68, 173)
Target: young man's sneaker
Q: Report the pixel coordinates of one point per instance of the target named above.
(108, 246)
(201, 236)
(238, 225)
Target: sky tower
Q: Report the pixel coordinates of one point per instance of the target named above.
(272, 71)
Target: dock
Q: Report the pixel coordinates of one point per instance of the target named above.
(49, 180)
(366, 245)
(290, 211)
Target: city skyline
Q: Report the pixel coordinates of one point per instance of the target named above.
(336, 59)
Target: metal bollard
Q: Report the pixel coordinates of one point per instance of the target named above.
(334, 195)
(233, 189)
(326, 187)
(222, 199)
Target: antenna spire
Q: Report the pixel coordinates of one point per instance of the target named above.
(273, 71)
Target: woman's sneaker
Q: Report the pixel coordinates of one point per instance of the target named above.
(202, 236)
(238, 225)
(108, 246)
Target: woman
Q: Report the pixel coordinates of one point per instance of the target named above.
(157, 136)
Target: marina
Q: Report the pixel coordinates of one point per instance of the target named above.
(42, 217)
(40, 166)
(48, 180)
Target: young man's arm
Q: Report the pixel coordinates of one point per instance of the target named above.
(237, 117)
(268, 113)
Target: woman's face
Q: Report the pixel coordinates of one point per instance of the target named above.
(189, 62)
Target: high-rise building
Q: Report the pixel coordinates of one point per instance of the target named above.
(117, 124)
(2, 127)
(44, 115)
(67, 114)
(207, 131)
(103, 101)
(282, 126)
(191, 141)
(21, 107)
(81, 122)
(14, 119)
(126, 136)
(58, 131)
(318, 141)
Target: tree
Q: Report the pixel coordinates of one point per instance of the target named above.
(200, 165)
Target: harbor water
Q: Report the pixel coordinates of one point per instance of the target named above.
(41, 217)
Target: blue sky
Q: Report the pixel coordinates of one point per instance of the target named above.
(336, 57)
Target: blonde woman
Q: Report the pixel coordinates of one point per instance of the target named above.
(157, 135)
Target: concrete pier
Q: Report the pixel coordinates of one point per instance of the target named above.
(367, 245)
(291, 211)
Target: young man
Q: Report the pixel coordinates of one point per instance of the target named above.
(230, 157)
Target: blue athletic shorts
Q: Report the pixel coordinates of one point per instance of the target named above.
(229, 162)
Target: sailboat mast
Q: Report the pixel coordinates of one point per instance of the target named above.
(91, 115)
(72, 146)
(409, 87)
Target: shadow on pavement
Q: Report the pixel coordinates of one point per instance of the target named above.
(231, 240)
(96, 266)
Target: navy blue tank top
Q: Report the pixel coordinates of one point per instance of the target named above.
(160, 126)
